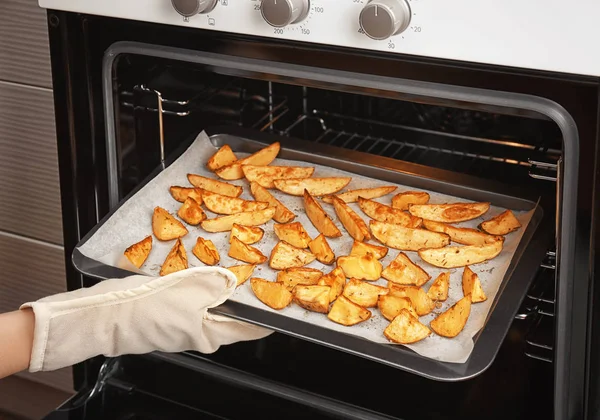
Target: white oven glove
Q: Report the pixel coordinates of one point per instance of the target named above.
(137, 315)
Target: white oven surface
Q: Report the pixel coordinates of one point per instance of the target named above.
(552, 35)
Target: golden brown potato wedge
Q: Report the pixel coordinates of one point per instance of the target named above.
(166, 227)
(261, 158)
(459, 256)
(471, 285)
(242, 252)
(406, 329)
(365, 267)
(419, 299)
(299, 275)
(355, 226)
(407, 239)
(285, 256)
(319, 218)
(223, 157)
(292, 233)
(465, 236)
(191, 212)
(403, 271)
(312, 298)
(138, 252)
(247, 234)
(215, 186)
(176, 259)
(439, 289)
(282, 213)
(181, 193)
(362, 248)
(345, 312)
(272, 294)
(503, 224)
(449, 213)
(387, 214)
(242, 272)
(390, 306)
(206, 251)
(451, 323)
(403, 200)
(336, 280)
(265, 175)
(364, 294)
(352, 196)
(320, 247)
(223, 204)
(314, 186)
(247, 218)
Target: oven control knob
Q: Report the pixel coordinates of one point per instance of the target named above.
(189, 8)
(280, 13)
(381, 19)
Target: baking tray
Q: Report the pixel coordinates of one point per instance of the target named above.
(487, 342)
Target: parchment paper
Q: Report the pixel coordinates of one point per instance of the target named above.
(132, 222)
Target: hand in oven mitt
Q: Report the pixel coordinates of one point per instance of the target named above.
(137, 315)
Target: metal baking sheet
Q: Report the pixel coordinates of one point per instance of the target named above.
(363, 338)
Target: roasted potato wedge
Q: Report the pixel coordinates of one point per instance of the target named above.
(273, 294)
(314, 186)
(312, 298)
(439, 289)
(215, 186)
(223, 204)
(364, 294)
(362, 248)
(336, 280)
(166, 227)
(223, 157)
(247, 218)
(403, 200)
(355, 226)
(138, 252)
(247, 234)
(365, 267)
(181, 193)
(406, 329)
(451, 323)
(407, 239)
(403, 271)
(503, 224)
(459, 256)
(320, 247)
(206, 251)
(387, 214)
(265, 175)
(352, 196)
(176, 259)
(242, 272)
(246, 253)
(471, 285)
(319, 218)
(261, 158)
(465, 236)
(390, 306)
(299, 275)
(191, 212)
(292, 233)
(449, 213)
(282, 213)
(285, 256)
(419, 299)
(345, 312)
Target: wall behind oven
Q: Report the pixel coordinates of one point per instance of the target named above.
(31, 238)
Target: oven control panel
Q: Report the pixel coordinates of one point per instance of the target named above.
(551, 35)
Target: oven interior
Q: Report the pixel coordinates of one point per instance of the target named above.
(510, 147)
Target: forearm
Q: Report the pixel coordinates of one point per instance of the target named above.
(16, 340)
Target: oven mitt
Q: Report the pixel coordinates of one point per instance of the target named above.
(137, 315)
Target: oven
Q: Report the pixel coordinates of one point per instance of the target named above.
(434, 89)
